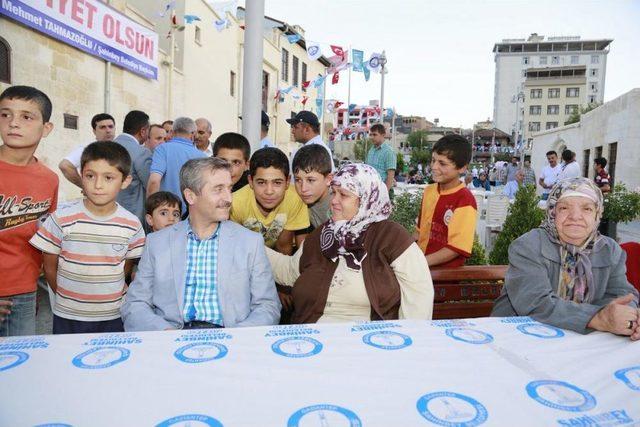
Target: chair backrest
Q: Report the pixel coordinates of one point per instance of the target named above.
(633, 263)
(479, 204)
(497, 209)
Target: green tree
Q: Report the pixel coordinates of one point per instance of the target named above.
(575, 116)
(524, 215)
(399, 162)
(419, 139)
(420, 156)
(360, 149)
(478, 255)
(406, 207)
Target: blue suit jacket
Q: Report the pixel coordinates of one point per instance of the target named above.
(246, 289)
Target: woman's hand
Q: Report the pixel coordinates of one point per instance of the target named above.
(618, 318)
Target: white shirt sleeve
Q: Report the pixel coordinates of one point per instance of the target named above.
(286, 269)
(75, 155)
(416, 286)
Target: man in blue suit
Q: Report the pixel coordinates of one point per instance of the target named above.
(206, 271)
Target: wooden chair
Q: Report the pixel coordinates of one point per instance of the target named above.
(467, 291)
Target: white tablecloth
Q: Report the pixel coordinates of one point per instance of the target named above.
(504, 372)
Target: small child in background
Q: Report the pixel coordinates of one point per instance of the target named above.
(163, 210)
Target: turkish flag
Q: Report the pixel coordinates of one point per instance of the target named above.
(338, 104)
(338, 51)
(277, 95)
(306, 84)
(304, 99)
(335, 78)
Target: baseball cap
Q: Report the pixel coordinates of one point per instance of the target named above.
(304, 117)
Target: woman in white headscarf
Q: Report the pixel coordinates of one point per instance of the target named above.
(568, 275)
(358, 265)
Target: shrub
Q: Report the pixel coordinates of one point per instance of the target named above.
(478, 256)
(621, 205)
(406, 208)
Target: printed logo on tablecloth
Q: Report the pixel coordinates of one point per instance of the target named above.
(387, 340)
(323, 416)
(540, 330)
(450, 409)
(11, 359)
(118, 339)
(54, 425)
(199, 352)
(191, 420)
(101, 357)
(22, 343)
(375, 325)
(516, 319)
(561, 395)
(468, 335)
(199, 335)
(616, 417)
(454, 323)
(291, 331)
(630, 377)
(297, 347)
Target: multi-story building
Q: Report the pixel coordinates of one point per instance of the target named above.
(514, 57)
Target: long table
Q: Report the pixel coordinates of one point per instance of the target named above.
(489, 371)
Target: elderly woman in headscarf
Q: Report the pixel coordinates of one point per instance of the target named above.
(358, 265)
(565, 273)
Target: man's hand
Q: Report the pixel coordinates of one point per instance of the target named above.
(616, 317)
(5, 309)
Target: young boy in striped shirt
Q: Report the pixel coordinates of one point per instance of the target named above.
(90, 245)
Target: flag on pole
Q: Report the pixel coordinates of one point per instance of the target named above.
(357, 60)
(319, 107)
(366, 72)
(339, 52)
(294, 38)
(189, 19)
(304, 100)
(336, 78)
(313, 50)
(374, 63)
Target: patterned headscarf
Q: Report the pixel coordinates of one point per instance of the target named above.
(344, 237)
(576, 276)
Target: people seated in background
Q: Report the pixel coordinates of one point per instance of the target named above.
(205, 271)
(235, 149)
(268, 205)
(565, 273)
(163, 210)
(482, 182)
(312, 172)
(447, 219)
(359, 265)
(468, 180)
(512, 187)
(89, 247)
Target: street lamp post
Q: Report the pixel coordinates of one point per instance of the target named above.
(516, 99)
(383, 62)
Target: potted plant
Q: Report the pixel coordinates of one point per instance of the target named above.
(620, 205)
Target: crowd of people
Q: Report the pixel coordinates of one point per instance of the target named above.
(177, 232)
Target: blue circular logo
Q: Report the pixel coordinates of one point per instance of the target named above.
(387, 340)
(192, 420)
(561, 395)
(313, 50)
(374, 62)
(11, 359)
(630, 376)
(450, 409)
(324, 415)
(540, 331)
(468, 335)
(101, 357)
(199, 352)
(297, 346)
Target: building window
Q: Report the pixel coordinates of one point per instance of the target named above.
(198, 35)
(570, 109)
(5, 61)
(573, 92)
(555, 60)
(594, 87)
(592, 99)
(294, 71)
(536, 93)
(594, 72)
(525, 60)
(535, 110)
(70, 121)
(543, 60)
(304, 75)
(574, 59)
(552, 125)
(595, 59)
(585, 163)
(554, 93)
(265, 90)
(285, 65)
(553, 109)
(524, 73)
(598, 152)
(232, 83)
(534, 126)
(613, 154)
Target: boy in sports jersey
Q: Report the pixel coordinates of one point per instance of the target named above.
(89, 245)
(447, 220)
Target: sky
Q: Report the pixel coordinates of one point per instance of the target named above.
(440, 57)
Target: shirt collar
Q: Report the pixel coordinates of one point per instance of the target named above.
(192, 234)
(315, 140)
(182, 141)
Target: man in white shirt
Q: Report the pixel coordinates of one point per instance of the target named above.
(104, 129)
(571, 168)
(305, 128)
(203, 135)
(549, 174)
(264, 131)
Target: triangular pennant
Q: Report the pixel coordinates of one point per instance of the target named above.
(189, 19)
(335, 79)
(294, 38)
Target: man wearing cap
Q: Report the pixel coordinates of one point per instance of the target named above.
(264, 131)
(305, 129)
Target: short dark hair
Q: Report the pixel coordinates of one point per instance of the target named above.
(134, 121)
(455, 147)
(28, 93)
(155, 125)
(232, 141)
(312, 158)
(167, 122)
(378, 127)
(100, 117)
(112, 152)
(567, 155)
(161, 198)
(269, 157)
(264, 128)
(552, 152)
(601, 161)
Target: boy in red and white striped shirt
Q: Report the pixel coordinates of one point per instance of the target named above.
(89, 245)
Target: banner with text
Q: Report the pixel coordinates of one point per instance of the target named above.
(92, 27)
